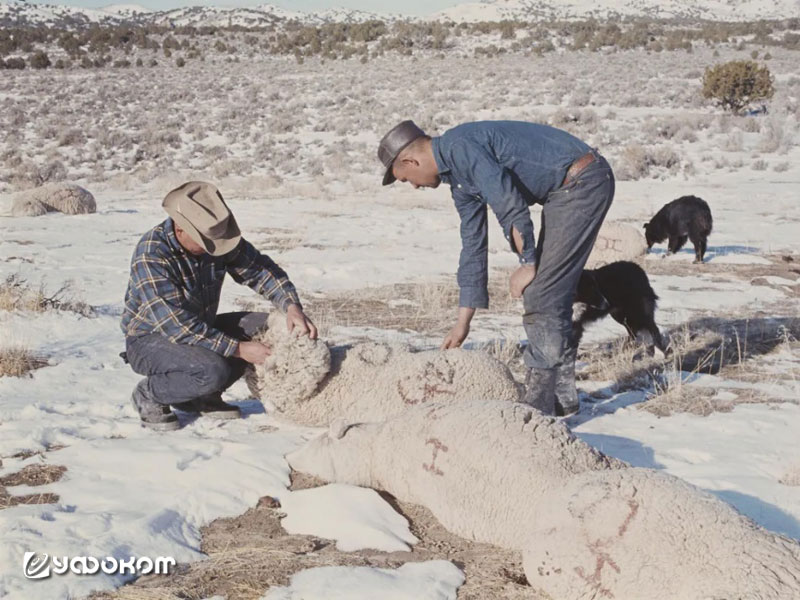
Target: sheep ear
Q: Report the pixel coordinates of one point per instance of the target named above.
(338, 428)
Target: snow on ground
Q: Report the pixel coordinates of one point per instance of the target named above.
(129, 491)
(432, 580)
(356, 517)
(739, 456)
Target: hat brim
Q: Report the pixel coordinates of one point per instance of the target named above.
(219, 247)
(389, 177)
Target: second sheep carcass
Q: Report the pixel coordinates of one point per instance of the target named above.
(311, 384)
(589, 526)
(617, 241)
(66, 198)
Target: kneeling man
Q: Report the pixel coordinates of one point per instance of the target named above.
(173, 334)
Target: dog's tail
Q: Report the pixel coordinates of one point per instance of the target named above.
(705, 221)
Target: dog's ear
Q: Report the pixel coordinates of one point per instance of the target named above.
(645, 225)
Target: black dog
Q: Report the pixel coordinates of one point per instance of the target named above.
(622, 290)
(688, 216)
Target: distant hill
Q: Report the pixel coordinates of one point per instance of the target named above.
(18, 12)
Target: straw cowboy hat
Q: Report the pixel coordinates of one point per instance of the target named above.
(197, 207)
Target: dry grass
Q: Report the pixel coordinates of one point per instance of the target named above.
(271, 239)
(17, 294)
(781, 265)
(680, 398)
(18, 361)
(709, 345)
(508, 350)
(428, 307)
(792, 475)
(251, 553)
(31, 475)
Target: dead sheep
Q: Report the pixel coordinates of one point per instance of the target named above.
(589, 526)
(66, 198)
(617, 241)
(28, 207)
(641, 533)
(481, 467)
(311, 384)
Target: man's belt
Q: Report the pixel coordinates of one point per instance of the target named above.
(579, 165)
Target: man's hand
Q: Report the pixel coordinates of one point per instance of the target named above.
(459, 332)
(520, 279)
(253, 352)
(295, 317)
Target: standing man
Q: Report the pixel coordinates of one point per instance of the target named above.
(173, 334)
(507, 166)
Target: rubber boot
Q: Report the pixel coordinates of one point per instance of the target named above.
(540, 390)
(566, 392)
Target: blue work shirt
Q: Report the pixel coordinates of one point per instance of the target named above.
(507, 165)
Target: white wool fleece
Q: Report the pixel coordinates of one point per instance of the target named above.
(589, 526)
(66, 198)
(480, 466)
(312, 385)
(641, 533)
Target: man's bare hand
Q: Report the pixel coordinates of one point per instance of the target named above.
(253, 352)
(456, 337)
(459, 333)
(520, 279)
(295, 317)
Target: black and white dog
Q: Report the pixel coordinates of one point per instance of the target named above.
(622, 290)
(687, 217)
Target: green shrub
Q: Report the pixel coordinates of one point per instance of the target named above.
(737, 83)
(15, 63)
(39, 60)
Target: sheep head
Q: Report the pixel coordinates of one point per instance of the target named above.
(295, 368)
(340, 454)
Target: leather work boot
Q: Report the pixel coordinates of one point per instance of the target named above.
(154, 416)
(211, 405)
(540, 390)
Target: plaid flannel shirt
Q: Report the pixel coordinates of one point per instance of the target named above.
(175, 293)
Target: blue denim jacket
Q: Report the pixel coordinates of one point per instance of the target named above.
(507, 165)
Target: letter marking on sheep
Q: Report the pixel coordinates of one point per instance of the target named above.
(603, 558)
(437, 445)
(433, 384)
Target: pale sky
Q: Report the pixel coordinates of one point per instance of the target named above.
(407, 7)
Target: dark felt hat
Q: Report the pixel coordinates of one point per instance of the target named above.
(393, 144)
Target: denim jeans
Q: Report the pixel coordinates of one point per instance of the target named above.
(178, 373)
(571, 219)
